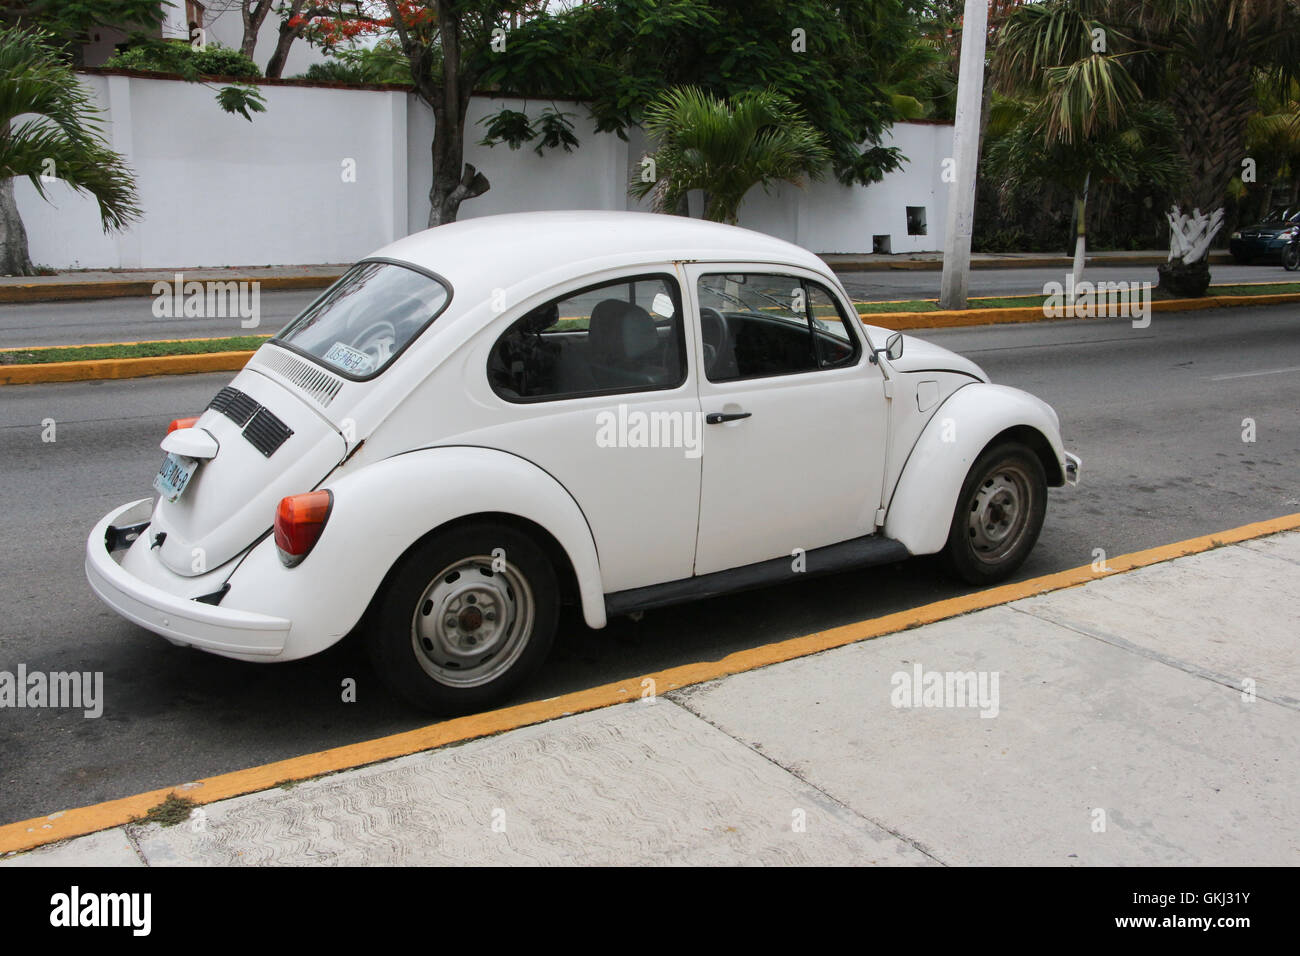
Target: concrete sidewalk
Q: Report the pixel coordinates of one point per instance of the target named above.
(1143, 718)
(117, 283)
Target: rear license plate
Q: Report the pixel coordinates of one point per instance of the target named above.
(174, 475)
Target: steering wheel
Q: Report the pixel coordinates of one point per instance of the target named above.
(713, 330)
(378, 342)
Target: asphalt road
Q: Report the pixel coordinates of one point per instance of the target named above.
(1155, 414)
(132, 319)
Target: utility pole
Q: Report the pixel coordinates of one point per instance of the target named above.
(966, 150)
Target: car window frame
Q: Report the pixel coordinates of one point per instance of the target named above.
(679, 317)
(717, 269)
(392, 361)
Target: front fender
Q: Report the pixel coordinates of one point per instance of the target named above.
(382, 509)
(920, 512)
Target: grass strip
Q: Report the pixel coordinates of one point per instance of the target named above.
(82, 353)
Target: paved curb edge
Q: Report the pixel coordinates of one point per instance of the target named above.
(63, 825)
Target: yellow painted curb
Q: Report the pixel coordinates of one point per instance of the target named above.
(26, 834)
(96, 369)
(959, 318)
(105, 345)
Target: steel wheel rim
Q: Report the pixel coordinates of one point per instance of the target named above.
(472, 622)
(999, 511)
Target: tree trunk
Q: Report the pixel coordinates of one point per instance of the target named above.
(253, 13)
(454, 180)
(1213, 97)
(1183, 280)
(1187, 273)
(1081, 230)
(275, 66)
(14, 259)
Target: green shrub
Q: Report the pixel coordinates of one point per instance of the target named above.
(180, 57)
(336, 71)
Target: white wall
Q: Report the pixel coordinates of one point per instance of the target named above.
(219, 190)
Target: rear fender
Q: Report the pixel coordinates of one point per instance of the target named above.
(381, 510)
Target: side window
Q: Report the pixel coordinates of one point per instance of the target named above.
(756, 325)
(837, 346)
(622, 336)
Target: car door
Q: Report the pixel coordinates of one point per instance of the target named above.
(795, 415)
(595, 387)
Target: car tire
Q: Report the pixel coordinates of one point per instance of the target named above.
(1291, 257)
(998, 516)
(465, 619)
(1242, 260)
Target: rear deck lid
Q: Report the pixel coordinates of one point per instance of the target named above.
(271, 443)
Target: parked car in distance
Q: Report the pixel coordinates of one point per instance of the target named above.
(1268, 239)
(621, 410)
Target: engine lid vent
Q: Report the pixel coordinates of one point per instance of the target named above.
(316, 382)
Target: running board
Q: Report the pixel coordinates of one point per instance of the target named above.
(859, 553)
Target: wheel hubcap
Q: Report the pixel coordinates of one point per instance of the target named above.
(999, 513)
(472, 622)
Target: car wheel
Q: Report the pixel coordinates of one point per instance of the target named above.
(999, 514)
(465, 619)
(1291, 257)
(1241, 260)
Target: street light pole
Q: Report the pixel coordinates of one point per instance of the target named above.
(965, 149)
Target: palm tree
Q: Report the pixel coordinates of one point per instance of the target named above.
(1199, 56)
(59, 137)
(725, 148)
(1273, 139)
(1142, 152)
(1078, 104)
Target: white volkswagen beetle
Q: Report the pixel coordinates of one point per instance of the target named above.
(625, 410)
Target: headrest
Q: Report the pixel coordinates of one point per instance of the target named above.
(621, 330)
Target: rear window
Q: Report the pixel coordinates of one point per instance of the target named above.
(367, 318)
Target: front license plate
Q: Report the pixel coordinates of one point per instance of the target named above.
(174, 475)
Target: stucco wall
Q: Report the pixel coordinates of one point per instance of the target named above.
(328, 175)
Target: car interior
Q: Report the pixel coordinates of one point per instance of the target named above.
(623, 348)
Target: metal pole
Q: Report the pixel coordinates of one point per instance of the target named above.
(965, 151)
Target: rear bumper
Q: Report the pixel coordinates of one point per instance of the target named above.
(225, 631)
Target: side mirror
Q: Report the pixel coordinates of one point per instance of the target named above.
(893, 349)
(894, 346)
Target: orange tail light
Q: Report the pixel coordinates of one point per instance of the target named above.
(299, 521)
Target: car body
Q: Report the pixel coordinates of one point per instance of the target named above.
(1267, 239)
(624, 409)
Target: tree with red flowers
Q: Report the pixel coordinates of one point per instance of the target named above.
(448, 44)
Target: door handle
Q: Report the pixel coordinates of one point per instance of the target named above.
(717, 418)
